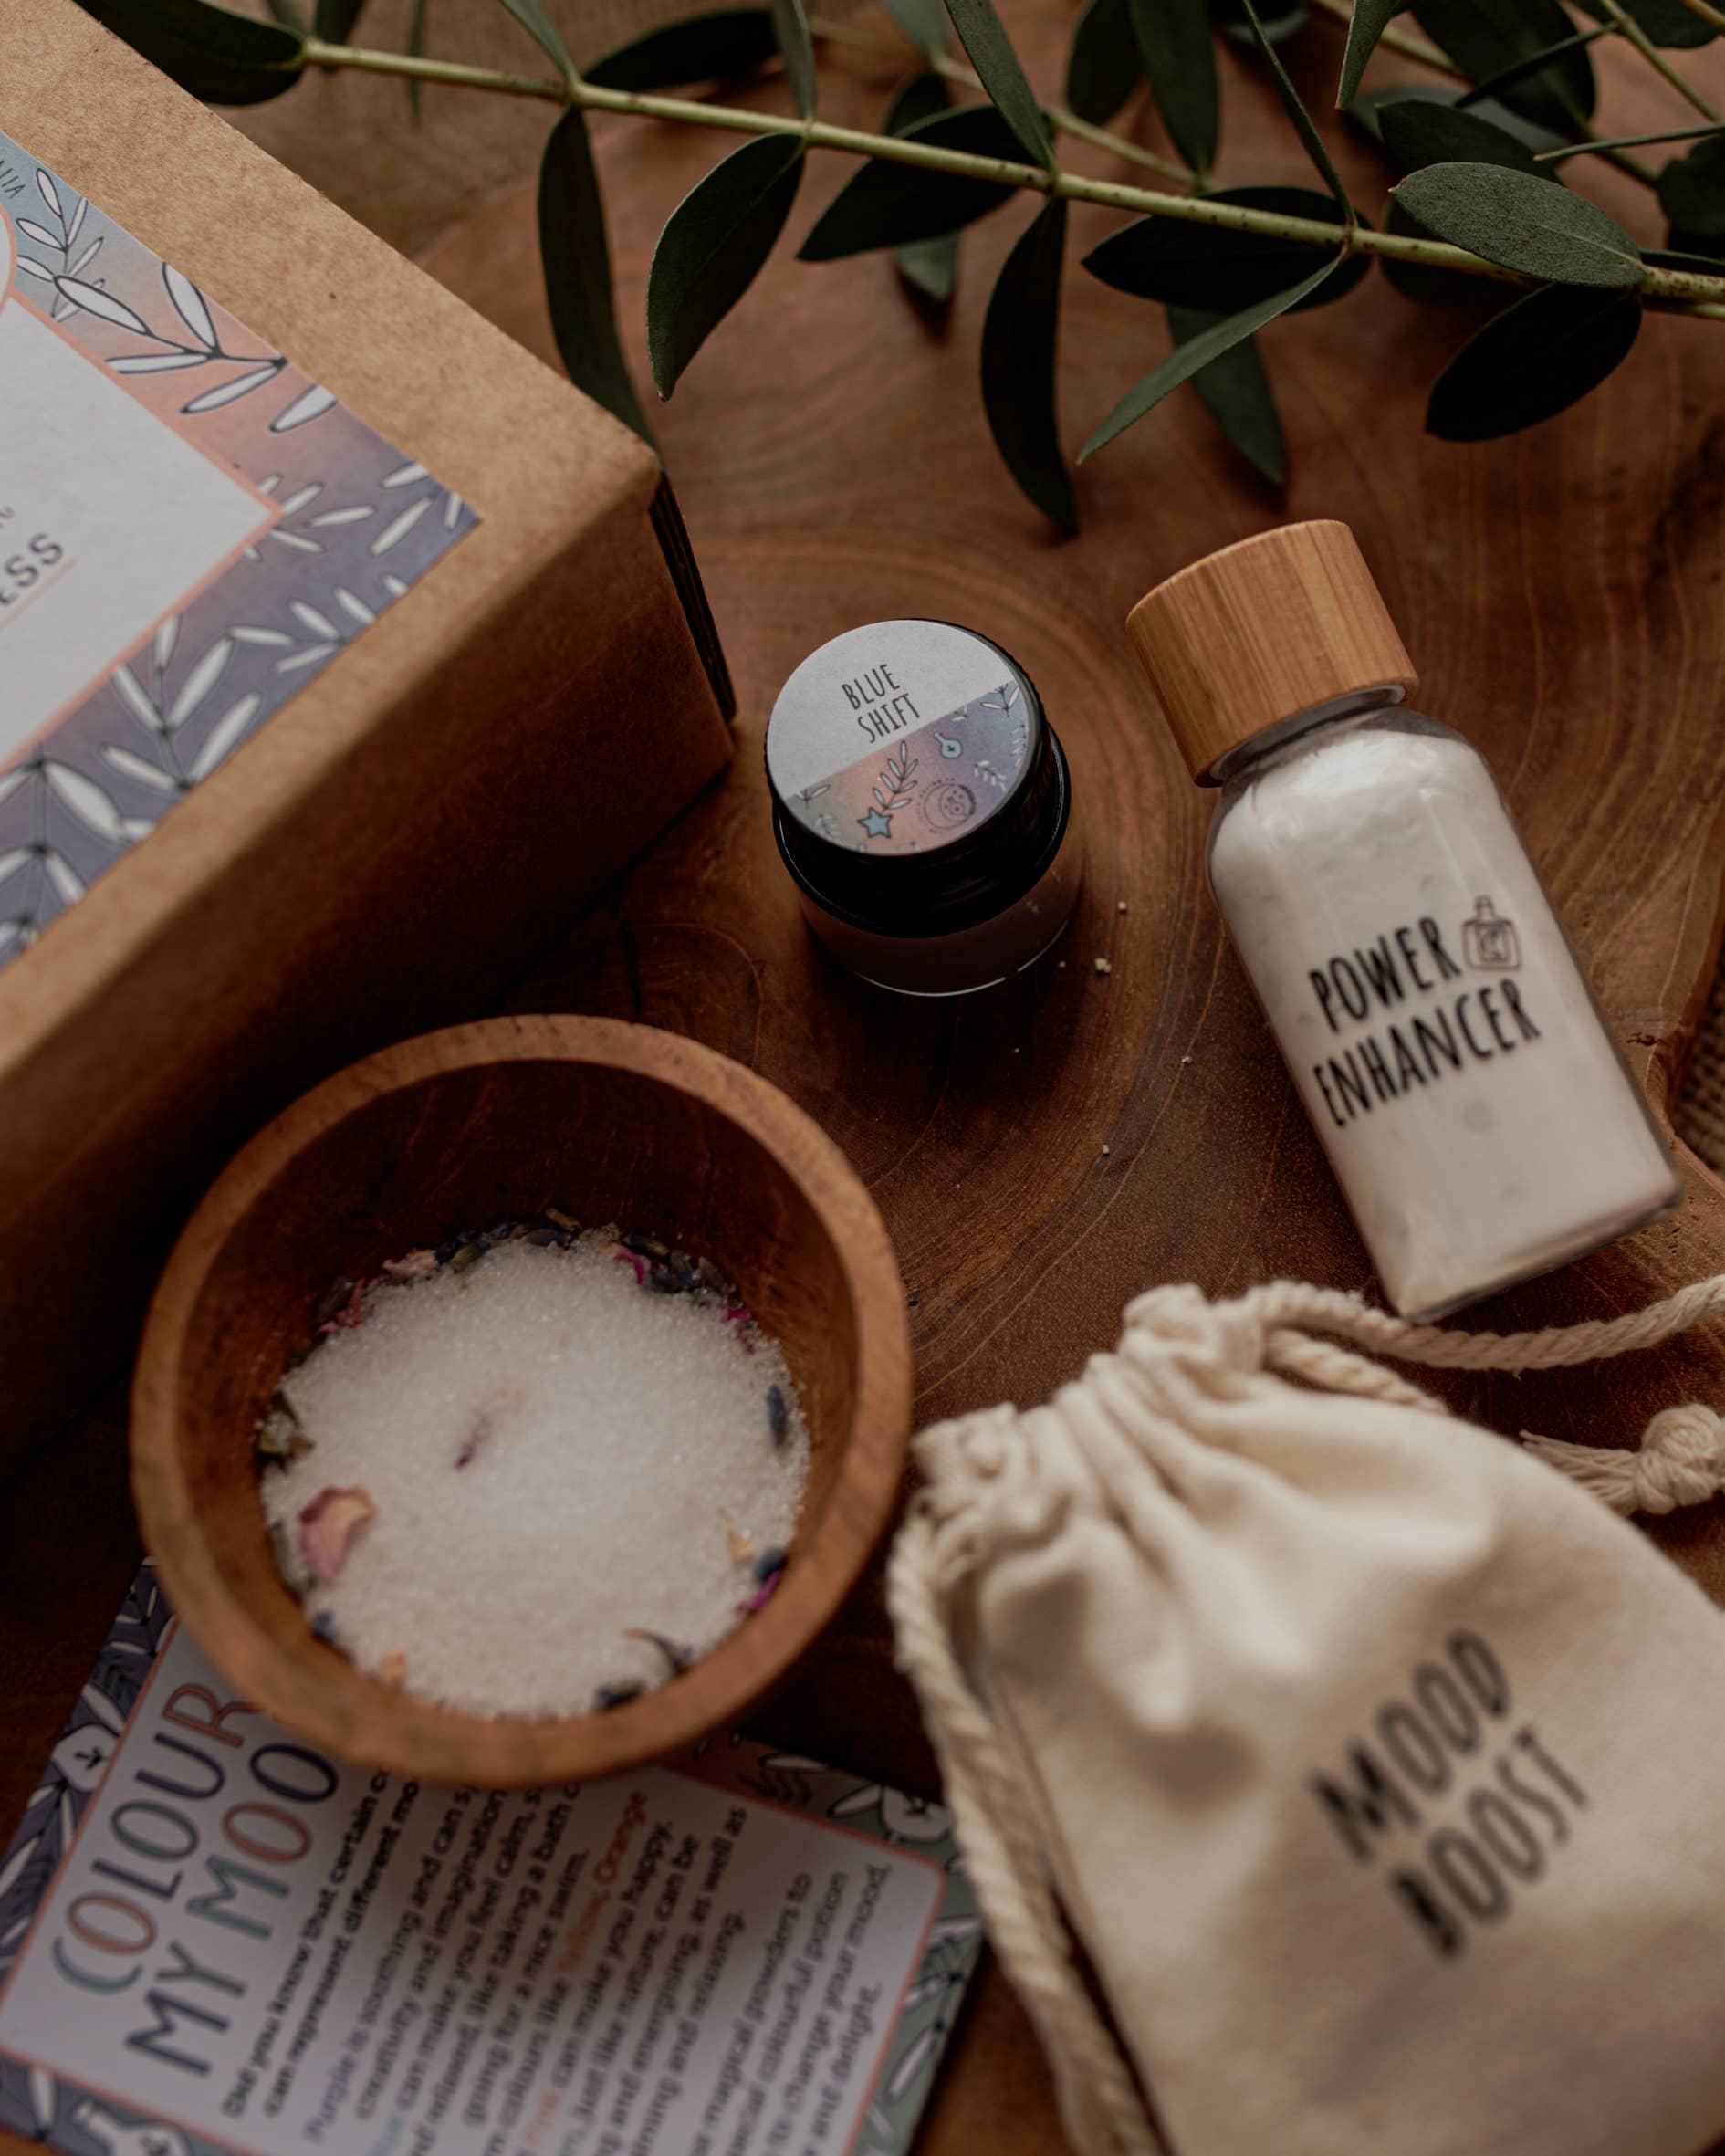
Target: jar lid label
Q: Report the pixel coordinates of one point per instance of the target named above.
(900, 737)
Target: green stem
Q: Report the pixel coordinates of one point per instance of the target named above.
(1671, 286)
(1669, 135)
(1066, 122)
(1415, 48)
(1631, 29)
(1492, 85)
(1706, 13)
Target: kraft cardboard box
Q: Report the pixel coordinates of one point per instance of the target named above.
(344, 651)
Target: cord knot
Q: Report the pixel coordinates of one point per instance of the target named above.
(1680, 1462)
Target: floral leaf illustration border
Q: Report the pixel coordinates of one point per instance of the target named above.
(359, 525)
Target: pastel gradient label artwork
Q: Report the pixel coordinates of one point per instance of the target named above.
(190, 529)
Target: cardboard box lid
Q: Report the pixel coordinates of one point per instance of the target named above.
(540, 462)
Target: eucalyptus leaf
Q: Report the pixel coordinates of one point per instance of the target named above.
(1417, 133)
(1210, 268)
(1535, 359)
(334, 20)
(1237, 396)
(923, 21)
(714, 245)
(1103, 66)
(1187, 360)
(929, 266)
(1692, 190)
(920, 97)
(533, 18)
(791, 31)
(1179, 63)
(577, 261)
(884, 205)
(1511, 77)
(225, 59)
(287, 12)
(1484, 36)
(1367, 24)
(991, 55)
(1315, 147)
(1018, 338)
(1666, 21)
(1522, 224)
(1366, 112)
(721, 47)
(1680, 259)
(1434, 288)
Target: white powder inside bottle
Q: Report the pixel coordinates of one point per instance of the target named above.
(1442, 1035)
(561, 1463)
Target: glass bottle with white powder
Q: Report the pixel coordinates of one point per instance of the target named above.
(1447, 1045)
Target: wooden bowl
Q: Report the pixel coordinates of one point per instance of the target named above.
(490, 1121)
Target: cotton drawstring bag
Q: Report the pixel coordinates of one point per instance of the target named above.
(1378, 1771)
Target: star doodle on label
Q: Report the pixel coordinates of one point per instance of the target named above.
(876, 825)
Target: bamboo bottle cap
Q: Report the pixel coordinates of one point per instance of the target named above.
(1260, 630)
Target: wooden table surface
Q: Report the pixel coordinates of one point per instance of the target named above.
(1563, 594)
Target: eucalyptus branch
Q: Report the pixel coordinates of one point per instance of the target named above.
(1671, 286)
(1708, 13)
(1591, 149)
(1393, 39)
(1627, 27)
(1065, 121)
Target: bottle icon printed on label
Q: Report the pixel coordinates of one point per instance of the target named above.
(1488, 942)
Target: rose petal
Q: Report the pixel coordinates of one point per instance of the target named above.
(327, 1527)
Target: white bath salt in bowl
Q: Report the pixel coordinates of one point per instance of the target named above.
(536, 1472)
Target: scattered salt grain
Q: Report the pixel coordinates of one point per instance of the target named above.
(535, 1483)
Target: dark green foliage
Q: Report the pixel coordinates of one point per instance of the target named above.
(229, 59)
(928, 266)
(1484, 36)
(1535, 359)
(722, 46)
(991, 55)
(1179, 62)
(1370, 20)
(884, 205)
(1218, 271)
(1522, 224)
(1418, 134)
(1102, 68)
(1692, 191)
(714, 245)
(576, 257)
(1019, 336)
(1237, 396)
(1196, 353)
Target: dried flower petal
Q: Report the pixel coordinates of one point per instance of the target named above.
(740, 1545)
(327, 1527)
(416, 1265)
(280, 1440)
(392, 1668)
(677, 1658)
